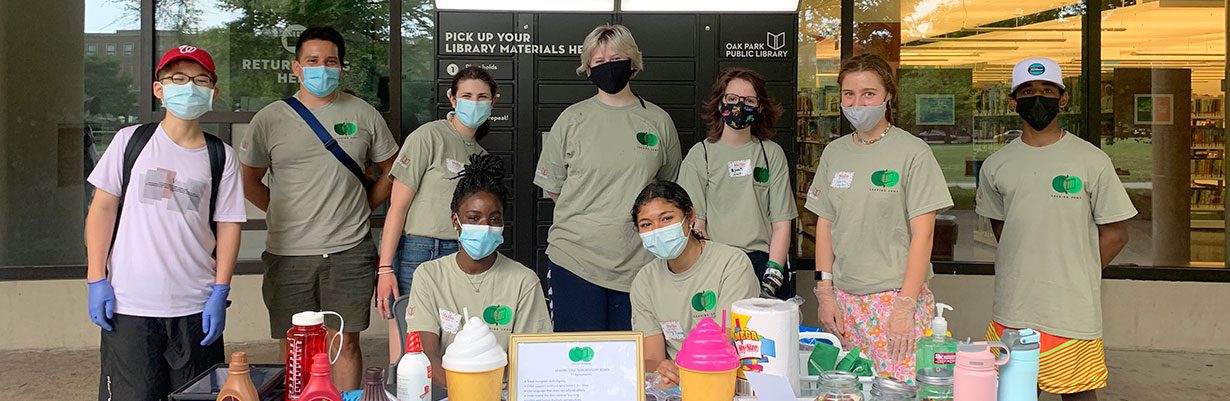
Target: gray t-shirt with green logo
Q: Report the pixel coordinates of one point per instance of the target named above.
(1048, 271)
(508, 297)
(598, 158)
(870, 193)
(429, 160)
(740, 191)
(316, 205)
(672, 304)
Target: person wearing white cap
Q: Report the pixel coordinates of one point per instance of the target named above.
(1059, 212)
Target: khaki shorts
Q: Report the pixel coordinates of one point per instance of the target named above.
(342, 282)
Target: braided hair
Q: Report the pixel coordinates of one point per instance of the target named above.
(485, 173)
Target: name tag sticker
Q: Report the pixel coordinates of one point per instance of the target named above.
(672, 330)
(454, 166)
(843, 179)
(450, 322)
(740, 168)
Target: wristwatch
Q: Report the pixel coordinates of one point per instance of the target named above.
(821, 276)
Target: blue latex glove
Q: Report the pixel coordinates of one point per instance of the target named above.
(101, 303)
(213, 318)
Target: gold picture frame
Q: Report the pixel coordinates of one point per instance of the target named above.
(581, 355)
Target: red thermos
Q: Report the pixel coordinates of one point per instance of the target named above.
(305, 339)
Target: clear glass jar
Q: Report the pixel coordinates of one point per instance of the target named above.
(839, 386)
(935, 385)
(889, 389)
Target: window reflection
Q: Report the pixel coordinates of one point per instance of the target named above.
(253, 45)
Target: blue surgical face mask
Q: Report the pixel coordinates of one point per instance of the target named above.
(480, 241)
(320, 80)
(667, 242)
(471, 113)
(187, 101)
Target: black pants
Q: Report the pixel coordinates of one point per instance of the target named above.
(759, 260)
(579, 305)
(145, 358)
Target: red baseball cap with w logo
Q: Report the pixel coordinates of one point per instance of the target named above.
(187, 52)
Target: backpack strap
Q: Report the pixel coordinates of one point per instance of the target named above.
(217, 161)
(136, 144)
(768, 208)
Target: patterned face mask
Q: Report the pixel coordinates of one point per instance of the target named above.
(738, 115)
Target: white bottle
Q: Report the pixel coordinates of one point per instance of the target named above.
(414, 372)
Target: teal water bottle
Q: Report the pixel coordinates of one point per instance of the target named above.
(1018, 379)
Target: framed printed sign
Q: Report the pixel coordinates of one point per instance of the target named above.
(1154, 109)
(586, 366)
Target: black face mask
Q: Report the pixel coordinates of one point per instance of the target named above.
(612, 76)
(1038, 111)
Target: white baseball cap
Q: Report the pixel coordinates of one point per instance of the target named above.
(1036, 69)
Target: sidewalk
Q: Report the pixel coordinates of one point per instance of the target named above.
(1134, 375)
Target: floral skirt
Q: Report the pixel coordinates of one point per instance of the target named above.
(866, 325)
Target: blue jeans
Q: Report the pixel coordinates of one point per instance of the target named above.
(578, 305)
(412, 251)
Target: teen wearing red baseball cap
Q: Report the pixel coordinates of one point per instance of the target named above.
(160, 271)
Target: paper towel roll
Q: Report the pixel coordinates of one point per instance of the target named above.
(766, 335)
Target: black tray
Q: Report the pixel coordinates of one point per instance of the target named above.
(268, 379)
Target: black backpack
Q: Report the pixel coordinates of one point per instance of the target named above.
(136, 144)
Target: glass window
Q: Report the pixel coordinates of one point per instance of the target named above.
(1163, 124)
(954, 64)
(253, 45)
(418, 52)
(111, 86)
(954, 75)
(128, 49)
(818, 116)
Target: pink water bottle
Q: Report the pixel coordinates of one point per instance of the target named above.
(975, 377)
(305, 339)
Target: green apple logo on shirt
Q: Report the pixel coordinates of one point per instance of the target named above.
(1067, 184)
(581, 354)
(885, 178)
(704, 301)
(647, 139)
(345, 129)
(498, 315)
(761, 174)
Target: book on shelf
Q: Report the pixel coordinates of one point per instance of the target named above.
(1208, 106)
(1207, 199)
(1208, 136)
(1208, 168)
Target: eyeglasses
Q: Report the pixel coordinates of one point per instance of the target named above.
(731, 98)
(181, 78)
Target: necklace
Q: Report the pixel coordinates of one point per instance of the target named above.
(482, 277)
(867, 142)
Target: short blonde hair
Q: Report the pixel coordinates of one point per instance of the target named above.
(616, 36)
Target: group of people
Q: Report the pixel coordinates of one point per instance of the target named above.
(643, 238)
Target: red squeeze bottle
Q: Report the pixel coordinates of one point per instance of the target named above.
(320, 387)
(305, 338)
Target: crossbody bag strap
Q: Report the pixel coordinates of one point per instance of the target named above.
(329, 142)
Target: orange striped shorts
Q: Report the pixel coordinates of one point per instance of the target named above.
(1065, 366)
